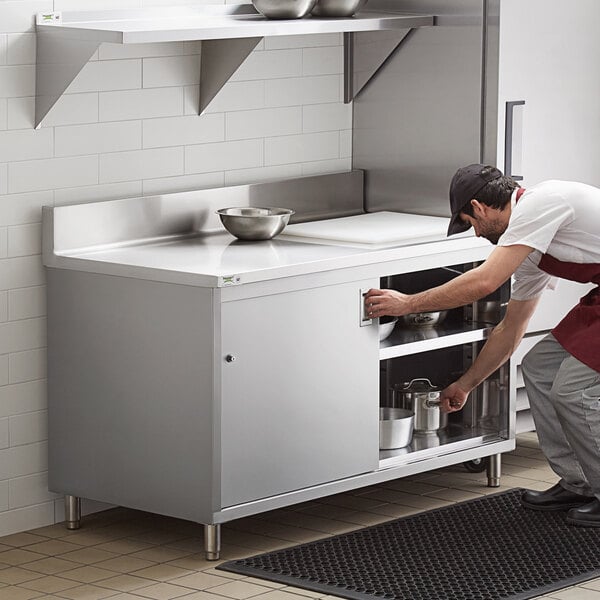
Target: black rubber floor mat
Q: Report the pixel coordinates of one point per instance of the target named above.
(485, 549)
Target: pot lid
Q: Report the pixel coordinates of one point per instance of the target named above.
(420, 385)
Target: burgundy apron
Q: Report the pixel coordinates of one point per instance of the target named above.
(579, 332)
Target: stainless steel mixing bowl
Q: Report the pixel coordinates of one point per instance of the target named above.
(424, 319)
(395, 428)
(386, 328)
(337, 8)
(250, 223)
(284, 9)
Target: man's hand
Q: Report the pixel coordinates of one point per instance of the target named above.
(380, 303)
(453, 398)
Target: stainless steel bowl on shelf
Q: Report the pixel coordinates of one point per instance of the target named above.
(395, 428)
(424, 319)
(254, 223)
(337, 8)
(386, 328)
(284, 9)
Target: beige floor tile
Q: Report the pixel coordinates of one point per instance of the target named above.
(354, 502)
(21, 539)
(192, 544)
(302, 592)
(577, 593)
(281, 595)
(17, 575)
(328, 512)
(93, 537)
(420, 502)
(592, 585)
(124, 583)
(200, 581)
(53, 531)
(522, 461)
(264, 582)
(454, 495)
(88, 574)
(125, 596)
(160, 554)
(86, 592)
(162, 572)
(49, 584)
(202, 596)
(18, 593)
(282, 532)
(240, 590)
(53, 547)
(88, 556)
(50, 565)
(366, 519)
(394, 511)
(125, 564)
(163, 591)
(228, 574)
(159, 537)
(256, 542)
(306, 521)
(19, 556)
(124, 546)
(197, 562)
(412, 487)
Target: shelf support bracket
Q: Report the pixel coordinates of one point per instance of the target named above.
(59, 61)
(364, 54)
(220, 59)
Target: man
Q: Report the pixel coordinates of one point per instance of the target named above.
(550, 230)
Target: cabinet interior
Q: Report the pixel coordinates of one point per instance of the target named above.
(441, 353)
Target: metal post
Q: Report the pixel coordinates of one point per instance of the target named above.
(212, 541)
(73, 512)
(493, 470)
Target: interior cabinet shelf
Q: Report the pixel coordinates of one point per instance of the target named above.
(66, 41)
(404, 341)
(454, 439)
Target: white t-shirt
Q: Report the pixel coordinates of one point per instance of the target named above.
(559, 218)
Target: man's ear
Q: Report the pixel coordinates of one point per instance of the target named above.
(479, 209)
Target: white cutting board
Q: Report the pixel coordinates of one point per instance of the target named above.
(372, 229)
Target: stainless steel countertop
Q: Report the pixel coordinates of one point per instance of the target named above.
(211, 260)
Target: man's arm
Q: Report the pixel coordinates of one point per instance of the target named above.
(502, 342)
(464, 289)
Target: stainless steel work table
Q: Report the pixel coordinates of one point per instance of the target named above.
(197, 376)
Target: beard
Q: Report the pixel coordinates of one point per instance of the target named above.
(492, 231)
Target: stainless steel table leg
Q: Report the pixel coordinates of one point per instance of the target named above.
(212, 541)
(73, 512)
(493, 470)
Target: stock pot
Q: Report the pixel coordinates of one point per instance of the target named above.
(423, 398)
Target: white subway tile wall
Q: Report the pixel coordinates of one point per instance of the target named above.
(128, 126)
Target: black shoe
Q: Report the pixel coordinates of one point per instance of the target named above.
(556, 498)
(587, 515)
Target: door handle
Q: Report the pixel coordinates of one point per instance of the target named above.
(364, 318)
(509, 138)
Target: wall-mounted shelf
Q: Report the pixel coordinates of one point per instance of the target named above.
(66, 41)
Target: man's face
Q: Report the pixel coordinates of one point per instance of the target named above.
(489, 224)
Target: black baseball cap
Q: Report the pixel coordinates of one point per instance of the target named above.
(465, 184)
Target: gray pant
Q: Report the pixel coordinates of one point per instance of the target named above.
(564, 395)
